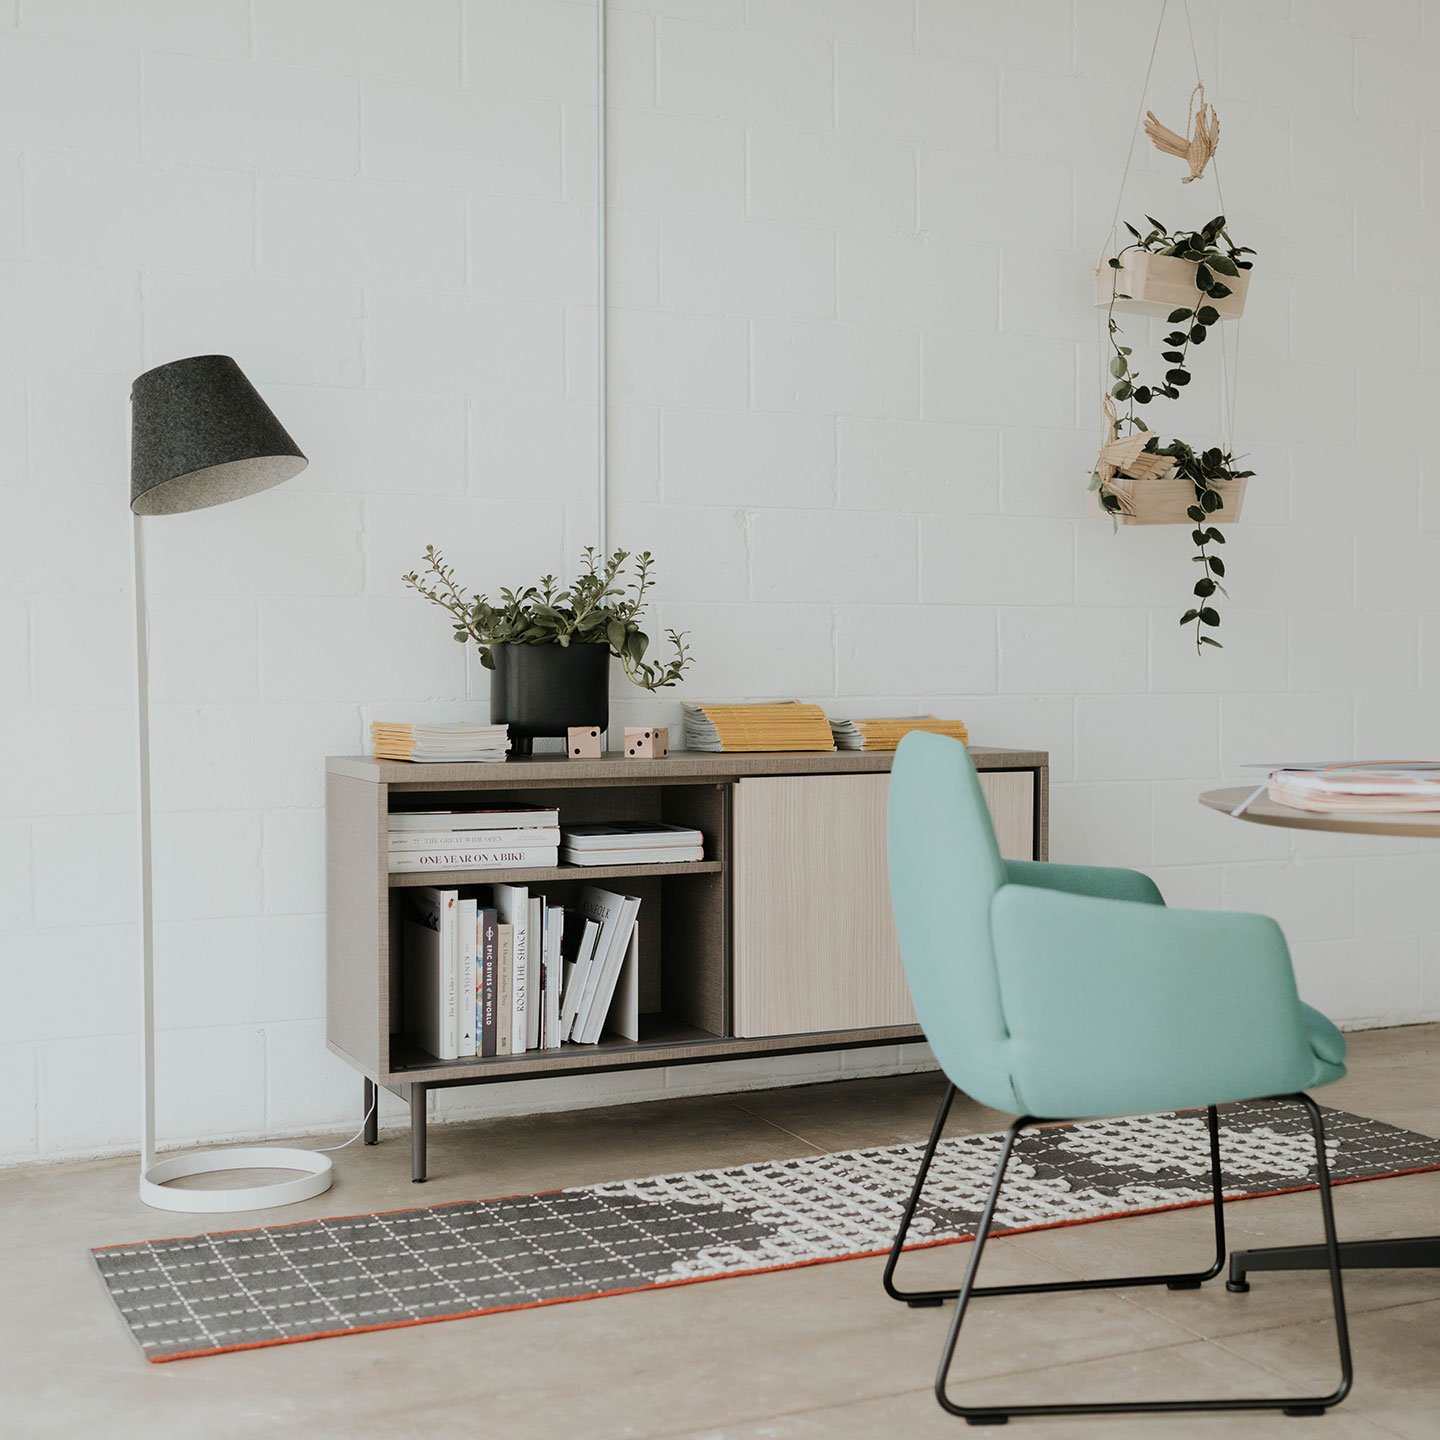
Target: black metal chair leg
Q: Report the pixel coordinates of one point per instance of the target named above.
(999, 1414)
(1185, 1280)
(919, 1298)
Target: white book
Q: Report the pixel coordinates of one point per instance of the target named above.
(465, 916)
(435, 909)
(504, 988)
(609, 979)
(623, 1018)
(504, 819)
(615, 914)
(534, 965)
(554, 978)
(512, 903)
(538, 857)
(630, 835)
(529, 837)
(632, 857)
(580, 951)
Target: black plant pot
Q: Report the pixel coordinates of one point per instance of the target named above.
(545, 689)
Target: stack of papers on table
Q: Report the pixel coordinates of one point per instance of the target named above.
(630, 842)
(457, 742)
(887, 734)
(788, 725)
(1359, 787)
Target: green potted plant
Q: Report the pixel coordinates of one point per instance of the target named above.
(550, 646)
(1195, 278)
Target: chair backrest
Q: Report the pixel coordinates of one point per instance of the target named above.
(945, 868)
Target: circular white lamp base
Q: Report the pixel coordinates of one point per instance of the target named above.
(314, 1178)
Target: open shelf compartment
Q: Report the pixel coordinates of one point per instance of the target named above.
(683, 981)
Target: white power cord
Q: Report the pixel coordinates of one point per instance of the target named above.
(328, 1149)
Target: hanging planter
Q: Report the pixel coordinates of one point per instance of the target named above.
(1137, 479)
(1196, 280)
(1150, 282)
(1137, 482)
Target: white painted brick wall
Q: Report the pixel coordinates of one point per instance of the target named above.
(853, 403)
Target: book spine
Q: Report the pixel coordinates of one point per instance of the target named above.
(519, 975)
(504, 986)
(529, 838)
(450, 977)
(402, 862)
(465, 993)
(534, 969)
(485, 996)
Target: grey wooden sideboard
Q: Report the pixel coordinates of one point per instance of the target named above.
(779, 941)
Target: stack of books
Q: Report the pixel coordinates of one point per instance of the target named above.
(788, 725)
(501, 971)
(1361, 787)
(630, 842)
(457, 742)
(887, 734)
(520, 835)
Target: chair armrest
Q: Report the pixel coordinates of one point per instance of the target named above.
(1100, 881)
(1115, 1007)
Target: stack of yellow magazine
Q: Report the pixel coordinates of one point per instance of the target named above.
(887, 734)
(434, 744)
(788, 725)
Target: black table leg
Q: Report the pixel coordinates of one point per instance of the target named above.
(372, 1113)
(417, 1134)
(1419, 1252)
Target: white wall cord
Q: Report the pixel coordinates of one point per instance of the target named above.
(328, 1149)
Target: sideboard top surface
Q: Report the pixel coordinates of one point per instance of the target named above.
(617, 768)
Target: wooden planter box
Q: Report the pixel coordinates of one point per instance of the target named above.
(1165, 501)
(1158, 284)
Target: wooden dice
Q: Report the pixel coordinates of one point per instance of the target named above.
(651, 743)
(582, 742)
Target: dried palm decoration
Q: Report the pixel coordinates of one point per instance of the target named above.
(1124, 461)
(1198, 146)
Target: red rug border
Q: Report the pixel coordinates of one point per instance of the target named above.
(688, 1280)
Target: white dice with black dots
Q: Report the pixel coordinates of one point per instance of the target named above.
(651, 743)
(582, 742)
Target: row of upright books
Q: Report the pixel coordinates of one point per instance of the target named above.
(501, 971)
(530, 836)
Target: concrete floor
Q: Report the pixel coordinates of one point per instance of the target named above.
(797, 1355)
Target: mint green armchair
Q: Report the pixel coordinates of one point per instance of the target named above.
(1065, 992)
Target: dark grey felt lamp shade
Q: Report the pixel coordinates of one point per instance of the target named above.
(201, 435)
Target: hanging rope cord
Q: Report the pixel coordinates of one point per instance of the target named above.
(1229, 366)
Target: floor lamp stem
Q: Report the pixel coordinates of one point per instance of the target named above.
(147, 907)
(314, 1169)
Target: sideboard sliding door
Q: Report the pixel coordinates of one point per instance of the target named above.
(814, 941)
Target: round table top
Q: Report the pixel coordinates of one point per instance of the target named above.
(1264, 811)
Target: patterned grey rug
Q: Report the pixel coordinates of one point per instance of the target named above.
(237, 1290)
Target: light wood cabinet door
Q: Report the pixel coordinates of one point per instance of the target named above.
(814, 940)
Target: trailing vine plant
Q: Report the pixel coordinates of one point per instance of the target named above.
(1216, 258)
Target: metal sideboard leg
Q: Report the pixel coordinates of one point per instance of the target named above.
(417, 1133)
(372, 1112)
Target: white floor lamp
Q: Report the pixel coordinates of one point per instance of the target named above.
(200, 436)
